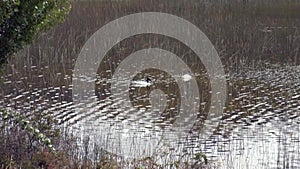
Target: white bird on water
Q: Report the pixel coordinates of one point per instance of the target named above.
(148, 82)
(186, 77)
(142, 83)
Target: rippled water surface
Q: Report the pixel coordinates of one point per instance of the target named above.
(260, 124)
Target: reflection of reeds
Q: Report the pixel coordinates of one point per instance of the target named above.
(244, 34)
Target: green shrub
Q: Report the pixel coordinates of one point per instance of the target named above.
(20, 140)
(21, 21)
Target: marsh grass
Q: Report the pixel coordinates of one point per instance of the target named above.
(246, 34)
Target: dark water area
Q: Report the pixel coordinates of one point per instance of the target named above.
(258, 44)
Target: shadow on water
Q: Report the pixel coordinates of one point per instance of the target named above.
(258, 43)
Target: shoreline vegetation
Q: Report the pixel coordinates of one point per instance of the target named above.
(246, 35)
(29, 143)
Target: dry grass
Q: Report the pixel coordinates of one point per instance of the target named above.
(245, 35)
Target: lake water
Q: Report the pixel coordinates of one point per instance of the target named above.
(260, 123)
